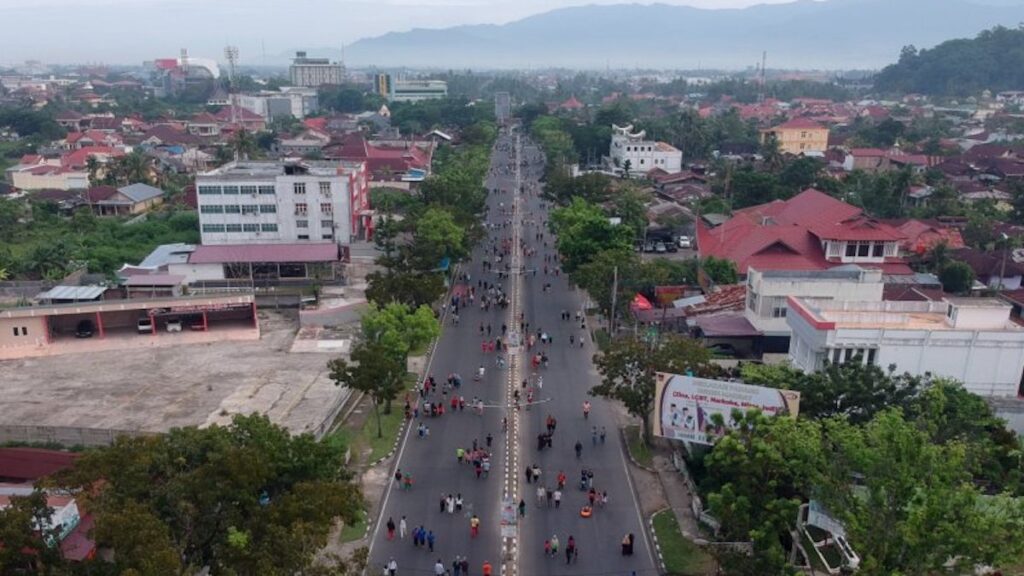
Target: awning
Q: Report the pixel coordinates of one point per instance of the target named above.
(725, 326)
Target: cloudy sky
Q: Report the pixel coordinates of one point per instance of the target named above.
(130, 31)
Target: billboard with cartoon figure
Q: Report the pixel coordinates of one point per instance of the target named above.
(685, 404)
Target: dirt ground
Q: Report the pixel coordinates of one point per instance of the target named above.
(155, 389)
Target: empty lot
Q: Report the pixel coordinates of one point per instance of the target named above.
(155, 389)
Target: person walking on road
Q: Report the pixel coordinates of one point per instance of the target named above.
(439, 568)
(570, 550)
(392, 568)
(522, 508)
(402, 528)
(487, 570)
(554, 544)
(586, 409)
(474, 526)
(579, 449)
(430, 540)
(391, 528)
(557, 496)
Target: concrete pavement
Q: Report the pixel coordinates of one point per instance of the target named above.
(432, 460)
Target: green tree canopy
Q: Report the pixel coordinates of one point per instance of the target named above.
(170, 503)
(584, 230)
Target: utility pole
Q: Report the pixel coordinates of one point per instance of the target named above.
(615, 294)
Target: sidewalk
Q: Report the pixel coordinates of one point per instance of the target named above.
(678, 496)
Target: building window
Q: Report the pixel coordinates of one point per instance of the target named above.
(250, 189)
(863, 249)
(327, 224)
(250, 209)
(851, 249)
(268, 227)
(266, 189)
(327, 236)
(299, 187)
(326, 208)
(232, 209)
(871, 356)
(302, 223)
(211, 209)
(778, 311)
(15, 329)
(325, 188)
(303, 236)
(232, 227)
(752, 301)
(208, 190)
(268, 209)
(231, 189)
(213, 227)
(251, 227)
(878, 250)
(301, 209)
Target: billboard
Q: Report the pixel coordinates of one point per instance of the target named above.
(684, 405)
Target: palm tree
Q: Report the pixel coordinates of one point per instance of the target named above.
(244, 144)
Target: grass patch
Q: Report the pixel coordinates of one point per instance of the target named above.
(353, 532)
(364, 442)
(640, 451)
(602, 339)
(682, 557)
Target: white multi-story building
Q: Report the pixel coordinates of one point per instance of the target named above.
(314, 72)
(768, 293)
(642, 155)
(972, 340)
(417, 90)
(294, 101)
(278, 202)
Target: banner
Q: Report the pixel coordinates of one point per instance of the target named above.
(685, 404)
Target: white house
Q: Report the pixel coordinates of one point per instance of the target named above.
(642, 155)
(768, 293)
(971, 340)
(275, 202)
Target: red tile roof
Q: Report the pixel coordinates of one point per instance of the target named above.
(77, 546)
(80, 157)
(241, 114)
(216, 254)
(921, 235)
(784, 235)
(571, 104)
(799, 124)
(26, 464)
(100, 193)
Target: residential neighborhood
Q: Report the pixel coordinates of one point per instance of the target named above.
(258, 307)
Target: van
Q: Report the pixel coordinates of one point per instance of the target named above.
(145, 325)
(685, 242)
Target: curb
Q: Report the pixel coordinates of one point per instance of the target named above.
(629, 453)
(654, 538)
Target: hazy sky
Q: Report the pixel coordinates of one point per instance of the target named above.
(130, 31)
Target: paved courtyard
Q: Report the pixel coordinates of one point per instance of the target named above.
(155, 389)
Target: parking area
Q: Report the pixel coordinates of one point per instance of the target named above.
(155, 388)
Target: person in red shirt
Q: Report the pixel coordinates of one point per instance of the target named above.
(487, 568)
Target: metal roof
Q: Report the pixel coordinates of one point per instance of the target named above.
(155, 280)
(72, 293)
(265, 253)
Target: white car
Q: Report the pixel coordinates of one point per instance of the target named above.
(174, 325)
(685, 242)
(145, 325)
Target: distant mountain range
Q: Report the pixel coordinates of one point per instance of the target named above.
(807, 34)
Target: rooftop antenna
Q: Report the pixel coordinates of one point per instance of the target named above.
(231, 53)
(760, 91)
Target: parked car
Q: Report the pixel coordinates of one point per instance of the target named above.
(174, 325)
(660, 248)
(722, 349)
(649, 247)
(145, 325)
(671, 247)
(84, 329)
(685, 242)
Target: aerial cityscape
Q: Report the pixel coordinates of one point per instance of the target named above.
(419, 287)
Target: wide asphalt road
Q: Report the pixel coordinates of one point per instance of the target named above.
(432, 460)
